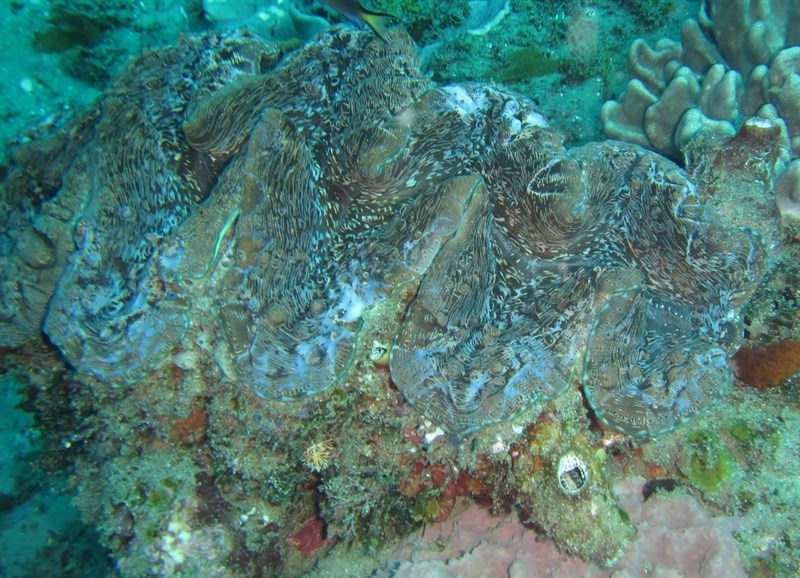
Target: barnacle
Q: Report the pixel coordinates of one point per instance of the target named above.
(572, 474)
(297, 199)
(379, 354)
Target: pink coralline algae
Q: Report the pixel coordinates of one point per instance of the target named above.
(675, 537)
(286, 200)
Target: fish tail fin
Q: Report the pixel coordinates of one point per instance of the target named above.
(378, 21)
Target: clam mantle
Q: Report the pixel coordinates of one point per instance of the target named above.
(300, 194)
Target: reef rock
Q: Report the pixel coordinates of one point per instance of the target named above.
(298, 196)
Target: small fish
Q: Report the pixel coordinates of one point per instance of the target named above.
(354, 10)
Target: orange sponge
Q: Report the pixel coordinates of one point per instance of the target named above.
(764, 367)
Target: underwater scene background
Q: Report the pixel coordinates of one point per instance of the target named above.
(400, 288)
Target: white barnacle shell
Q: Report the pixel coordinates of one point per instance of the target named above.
(573, 474)
(379, 354)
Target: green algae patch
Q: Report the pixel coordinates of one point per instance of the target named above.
(741, 431)
(624, 516)
(526, 63)
(650, 13)
(158, 499)
(710, 461)
(65, 31)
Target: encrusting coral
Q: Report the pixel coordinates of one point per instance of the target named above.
(738, 60)
(297, 197)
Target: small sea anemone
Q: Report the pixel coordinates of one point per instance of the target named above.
(318, 455)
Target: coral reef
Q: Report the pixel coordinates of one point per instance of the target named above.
(736, 61)
(288, 23)
(737, 462)
(296, 215)
(773, 313)
(471, 304)
(708, 462)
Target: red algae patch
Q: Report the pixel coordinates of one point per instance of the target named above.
(191, 428)
(310, 537)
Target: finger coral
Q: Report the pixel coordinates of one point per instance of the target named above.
(738, 60)
(286, 202)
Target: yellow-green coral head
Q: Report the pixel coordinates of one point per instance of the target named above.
(355, 11)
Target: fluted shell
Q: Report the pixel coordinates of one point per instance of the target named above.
(341, 174)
